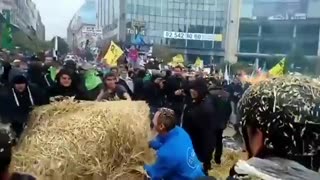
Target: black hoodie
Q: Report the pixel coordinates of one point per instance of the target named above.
(15, 106)
(58, 90)
(198, 121)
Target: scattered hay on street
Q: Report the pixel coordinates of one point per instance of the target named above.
(229, 158)
(86, 140)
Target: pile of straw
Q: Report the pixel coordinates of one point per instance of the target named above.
(86, 140)
(228, 160)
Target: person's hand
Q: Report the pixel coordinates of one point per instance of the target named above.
(161, 84)
(178, 92)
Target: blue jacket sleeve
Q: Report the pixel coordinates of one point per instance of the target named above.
(155, 143)
(162, 168)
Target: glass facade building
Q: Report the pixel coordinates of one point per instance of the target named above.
(152, 18)
(276, 28)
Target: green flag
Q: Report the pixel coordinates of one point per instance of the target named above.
(53, 73)
(92, 80)
(6, 36)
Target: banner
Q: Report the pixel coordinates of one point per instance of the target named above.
(113, 55)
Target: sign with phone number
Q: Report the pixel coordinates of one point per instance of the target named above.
(192, 36)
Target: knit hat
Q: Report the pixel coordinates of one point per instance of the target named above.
(19, 79)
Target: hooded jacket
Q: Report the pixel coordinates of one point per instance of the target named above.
(222, 105)
(15, 106)
(59, 90)
(199, 122)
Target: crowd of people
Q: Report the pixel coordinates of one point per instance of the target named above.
(190, 111)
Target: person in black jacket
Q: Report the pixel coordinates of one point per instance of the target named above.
(154, 94)
(222, 105)
(139, 85)
(5, 159)
(198, 121)
(175, 92)
(65, 86)
(18, 101)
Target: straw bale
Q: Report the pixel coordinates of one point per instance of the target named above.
(85, 140)
(229, 158)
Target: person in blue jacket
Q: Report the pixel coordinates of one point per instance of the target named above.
(176, 159)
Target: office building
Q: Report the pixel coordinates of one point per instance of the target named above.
(271, 29)
(25, 16)
(193, 28)
(82, 31)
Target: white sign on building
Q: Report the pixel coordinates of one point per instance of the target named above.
(192, 36)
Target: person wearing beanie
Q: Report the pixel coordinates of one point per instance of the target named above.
(198, 121)
(280, 126)
(18, 101)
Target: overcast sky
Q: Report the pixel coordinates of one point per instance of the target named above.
(56, 15)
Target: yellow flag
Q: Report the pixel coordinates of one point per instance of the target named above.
(278, 69)
(113, 55)
(178, 59)
(198, 63)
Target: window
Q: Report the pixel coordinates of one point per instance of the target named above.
(176, 21)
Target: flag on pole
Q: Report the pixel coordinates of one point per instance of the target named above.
(177, 60)
(199, 63)
(55, 49)
(6, 36)
(279, 69)
(113, 54)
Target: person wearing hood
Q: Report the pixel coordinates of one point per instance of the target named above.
(36, 74)
(154, 93)
(280, 126)
(222, 105)
(92, 81)
(175, 86)
(198, 121)
(20, 98)
(15, 70)
(65, 86)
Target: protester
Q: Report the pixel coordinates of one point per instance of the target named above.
(125, 80)
(139, 84)
(175, 86)
(280, 128)
(64, 87)
(19, 100)
(176, 158)
(154, 93)
(91, 81)
(5, 75)
(222, 106)
(199, 122)
(15, 70)
(112, 91)
(5, 159)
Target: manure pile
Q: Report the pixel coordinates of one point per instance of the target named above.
(86, 140)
